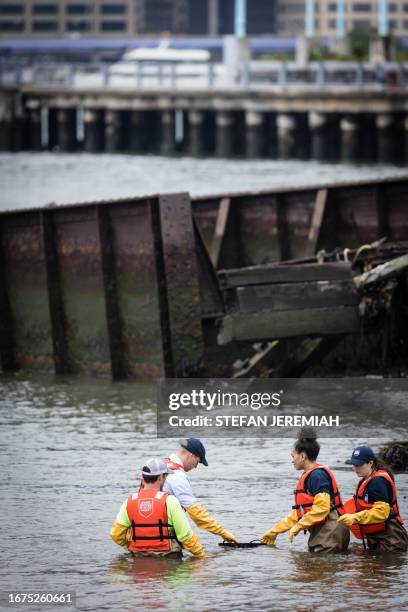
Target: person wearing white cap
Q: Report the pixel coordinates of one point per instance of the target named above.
(186, 458)
(152, 522)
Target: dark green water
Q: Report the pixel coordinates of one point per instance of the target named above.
(70, 452)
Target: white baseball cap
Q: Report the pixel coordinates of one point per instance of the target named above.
(155, 467)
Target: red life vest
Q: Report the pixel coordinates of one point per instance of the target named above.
(147, 513)
(304, 501)
(361, 504)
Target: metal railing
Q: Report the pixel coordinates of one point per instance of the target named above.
(152, 75)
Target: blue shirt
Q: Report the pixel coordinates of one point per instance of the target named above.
(318, 482)
(378, 490)
(178, 484)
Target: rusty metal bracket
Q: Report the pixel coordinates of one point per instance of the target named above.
(177, 270)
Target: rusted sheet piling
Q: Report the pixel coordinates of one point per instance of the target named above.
(129, 288)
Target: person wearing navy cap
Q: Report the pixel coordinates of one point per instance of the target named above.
(373, 514)
(190, 453)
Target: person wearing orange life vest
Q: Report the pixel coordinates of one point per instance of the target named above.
(317, 501)
(185, 459)
(373, 514)
(152, 522)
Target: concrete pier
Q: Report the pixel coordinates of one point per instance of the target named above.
(6, 123)
(286, 132)
(113, 131)
(168, 133)
(385, 138)
(196, 144)
(93, 140)
(224, 134)
(65, 129)
(34, 128)
(349, 129)
(318, 129)
(254, 133)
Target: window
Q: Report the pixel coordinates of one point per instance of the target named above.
(392, 8)
(362, 25)
(113, 26)
(332, 7)
(45, 9)
(45, 26)
(78, 26)
(332, 24)
(113, 9)
(78, 9)
(11, 9)
(362, 8)
(11, 26)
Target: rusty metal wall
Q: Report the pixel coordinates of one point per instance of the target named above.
(125, 288)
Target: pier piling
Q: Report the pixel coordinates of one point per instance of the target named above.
(93, 136)
(113, 131)
(196, 145)
(286, 127)
(224, 133)
(349, 138)
(254, 131)
(168, 134)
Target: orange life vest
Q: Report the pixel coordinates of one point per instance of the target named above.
(303, 499)
(147, 513)
(172, 465)
(361, 504)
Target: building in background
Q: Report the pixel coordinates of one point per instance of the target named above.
(128, 18)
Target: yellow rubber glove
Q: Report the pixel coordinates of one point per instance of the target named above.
(348, 519)
(285, 524)
(194, 546)
(204, 520)
(377, 514)
(119, 534)
(294, 531)
(317, 513)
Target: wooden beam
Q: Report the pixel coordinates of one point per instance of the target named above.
(289, 324)
(211, 301)
(305, 354)
(288, 296)
(382, 273)
(259, 362)
(316, 223)
(219, 232)
(263, 275)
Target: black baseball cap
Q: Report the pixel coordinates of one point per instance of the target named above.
(361, 455)
(195, 446)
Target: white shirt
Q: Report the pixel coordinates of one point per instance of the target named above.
(178, 484)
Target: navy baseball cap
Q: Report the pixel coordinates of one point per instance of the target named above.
(195, 446)
(360, 455)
